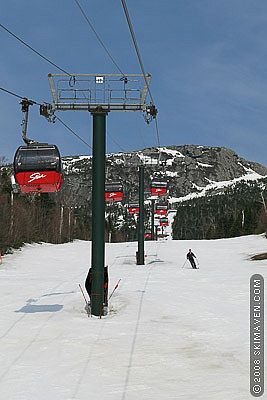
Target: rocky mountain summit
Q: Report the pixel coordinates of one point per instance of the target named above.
(189, 169)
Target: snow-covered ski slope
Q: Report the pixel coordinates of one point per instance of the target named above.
(171, 333)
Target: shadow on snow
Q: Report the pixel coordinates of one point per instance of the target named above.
(34, 308)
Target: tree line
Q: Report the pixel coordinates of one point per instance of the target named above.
(54, 217)
(59, 217)
(45, 217)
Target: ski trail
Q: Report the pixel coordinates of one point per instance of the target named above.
(88, 360)
(132, 350)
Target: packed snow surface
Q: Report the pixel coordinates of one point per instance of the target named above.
(171, 332)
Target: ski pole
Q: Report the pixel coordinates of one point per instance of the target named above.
(86, 302)
(184, 264)
(116, 286)
(83, 294)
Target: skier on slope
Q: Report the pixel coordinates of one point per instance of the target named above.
(190, 256)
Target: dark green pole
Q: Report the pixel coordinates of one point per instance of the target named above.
(152, 219)
(98, 212)
(140, 254)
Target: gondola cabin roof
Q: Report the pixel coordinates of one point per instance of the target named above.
(113, 187)
(159, 183)
(162, 206)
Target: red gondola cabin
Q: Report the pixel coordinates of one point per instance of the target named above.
(159, 187)
(113, 191)
(38, 168)
(164, 222)
(162, 208)
(133, 208)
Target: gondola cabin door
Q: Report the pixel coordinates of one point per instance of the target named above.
(38, 168)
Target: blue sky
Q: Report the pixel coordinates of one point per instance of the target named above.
(207, 59)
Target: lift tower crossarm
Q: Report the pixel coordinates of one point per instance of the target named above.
(88, 92)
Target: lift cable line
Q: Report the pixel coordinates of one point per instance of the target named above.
(116, 143)
(32, 49)
(140, 62)
(72, 131)
(18, 96)
(98, 37)
(72, 76)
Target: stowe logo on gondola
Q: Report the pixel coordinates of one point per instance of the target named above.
(36, 175)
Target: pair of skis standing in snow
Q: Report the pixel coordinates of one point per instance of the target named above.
(89, 280)
(88, 287)
(191, 258)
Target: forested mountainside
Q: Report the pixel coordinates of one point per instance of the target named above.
(238, 211)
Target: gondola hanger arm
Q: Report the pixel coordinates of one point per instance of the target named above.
(25, 104)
